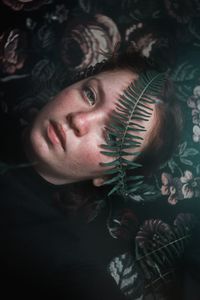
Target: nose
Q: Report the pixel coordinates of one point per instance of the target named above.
(83, 122)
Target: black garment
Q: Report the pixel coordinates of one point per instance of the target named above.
(42, 251)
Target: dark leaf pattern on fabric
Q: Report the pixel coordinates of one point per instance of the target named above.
(160, 246)
(18, 5)
(13, 50)
(127, 276)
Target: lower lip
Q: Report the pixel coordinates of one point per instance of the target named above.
(52, 135)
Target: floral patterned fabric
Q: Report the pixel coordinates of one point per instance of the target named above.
(43, 43)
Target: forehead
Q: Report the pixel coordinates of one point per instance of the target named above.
(110, 84)
(115, 82)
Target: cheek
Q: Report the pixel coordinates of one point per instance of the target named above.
(36, 142)
(58, 105)
(90, 156)
(64, 100)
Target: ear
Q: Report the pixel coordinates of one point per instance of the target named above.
(99, 181)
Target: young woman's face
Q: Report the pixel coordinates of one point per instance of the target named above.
(64, 140)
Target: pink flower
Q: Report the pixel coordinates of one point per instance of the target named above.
(93, 40)
(12, 50)
(18, 5)
(171, 187)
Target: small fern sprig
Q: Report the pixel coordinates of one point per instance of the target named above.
(133, 107)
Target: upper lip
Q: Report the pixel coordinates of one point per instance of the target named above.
(60, 133)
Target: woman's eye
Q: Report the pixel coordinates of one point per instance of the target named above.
(90, 95)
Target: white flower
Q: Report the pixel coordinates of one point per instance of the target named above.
(196, 134)
(196, 91)
(194, 103)
(189, 185)
(187, 177)
(187, 191)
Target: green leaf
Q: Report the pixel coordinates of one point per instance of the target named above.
(114, 179)
(132, 107)
(172, 165)
(135, 187)
(112, 154)
(134, 178)
(198, 169)
(190, 152)
(182, 147)
(186, 161)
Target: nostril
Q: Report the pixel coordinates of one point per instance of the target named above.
(77, 131)
(73, 124)
(69, 120)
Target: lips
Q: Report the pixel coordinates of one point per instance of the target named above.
(56, 134)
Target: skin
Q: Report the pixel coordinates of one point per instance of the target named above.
(81, 112)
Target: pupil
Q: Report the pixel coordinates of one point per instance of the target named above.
(90, 95)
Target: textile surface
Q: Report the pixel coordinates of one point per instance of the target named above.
(44, 41)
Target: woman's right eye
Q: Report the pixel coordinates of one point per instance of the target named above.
(90, 95)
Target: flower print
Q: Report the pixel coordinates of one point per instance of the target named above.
(90, 41)
(124, 224)
(172, 199)
(196, 134)
(18, 5)
(167, 179)
(12, 50)
(141, 41)
(194, 103)
(127, 275)
(185, 220)
(182, 10)
(190, 187)
(171, 188)
(191, 102)
(60, 15)
(196, 92)
(196, 116)
(151, 230)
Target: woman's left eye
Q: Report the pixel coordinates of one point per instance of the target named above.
(90, 95)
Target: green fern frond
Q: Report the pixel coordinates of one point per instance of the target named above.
(132, 107)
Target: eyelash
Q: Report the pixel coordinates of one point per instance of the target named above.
(87, 89)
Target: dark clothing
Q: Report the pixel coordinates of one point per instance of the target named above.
(42, 251)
